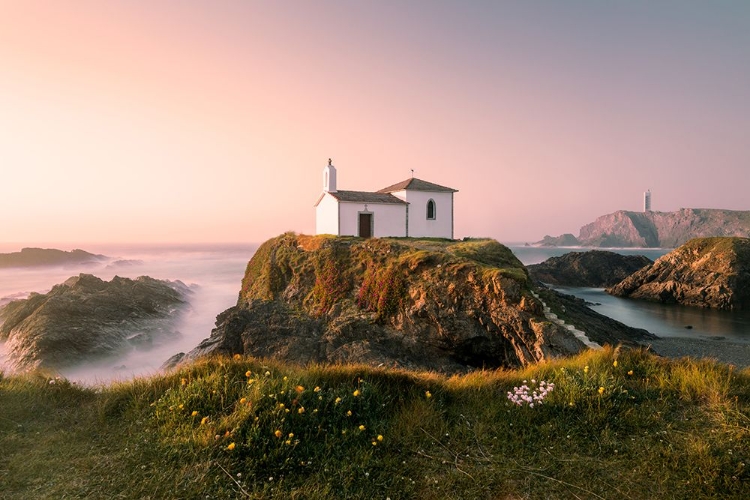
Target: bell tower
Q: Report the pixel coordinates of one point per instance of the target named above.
(329, 178)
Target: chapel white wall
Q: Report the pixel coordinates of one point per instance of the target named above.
(327, 216)
(389, 219)
(419, 225)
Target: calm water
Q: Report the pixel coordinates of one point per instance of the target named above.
(659, 319)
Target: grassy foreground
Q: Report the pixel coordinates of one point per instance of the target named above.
(618, 424)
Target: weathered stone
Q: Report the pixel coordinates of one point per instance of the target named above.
(705, 272)
(595, 268)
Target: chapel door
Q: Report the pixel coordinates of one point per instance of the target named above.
(365, 225)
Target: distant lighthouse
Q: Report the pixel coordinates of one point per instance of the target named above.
(647, 201)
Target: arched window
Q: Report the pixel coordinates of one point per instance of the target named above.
(431, 210)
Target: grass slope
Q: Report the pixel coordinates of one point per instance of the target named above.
(618, 424)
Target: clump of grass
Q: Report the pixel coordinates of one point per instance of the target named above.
(619, 423)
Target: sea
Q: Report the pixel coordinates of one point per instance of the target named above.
(214, 273)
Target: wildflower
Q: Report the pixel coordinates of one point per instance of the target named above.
(349, 413)
(630, 372)
(230, 446)
(374, 443)
(243, 401)
(194, 414)
(288, 442)
(380, 437)
(291, 435)
(278, 433)
(237, 356)
(427, 394)
(362, 427)
(356, 393)
(204, 420)
(250, 381)
(338, 400)
(586, 369)
(248, 373)
(285, 378)
(299, 388)
(181, 407)
(183, 381)
(317, 389)
(301, 410)
(268, 373)
(615, 364)
(601, 390)
(281, 406)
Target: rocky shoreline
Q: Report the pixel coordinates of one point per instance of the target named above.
(718, 348)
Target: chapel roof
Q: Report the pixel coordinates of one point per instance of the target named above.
(415, 184)
(365, 197)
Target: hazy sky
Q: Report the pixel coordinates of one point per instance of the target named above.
(200, 121)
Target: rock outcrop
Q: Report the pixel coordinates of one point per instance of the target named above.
(29, 257)
(656, 229)
(595, 268)
(705, 272)
(419, 304)
(85, 318)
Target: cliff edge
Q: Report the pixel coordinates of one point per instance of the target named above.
(656, 229)
(705, 272)
(415, 303)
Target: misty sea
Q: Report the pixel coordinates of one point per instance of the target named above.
(215, 271)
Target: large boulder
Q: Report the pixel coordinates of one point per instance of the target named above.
(86, 317)
(704, 272)
(420, 304)
(595, 268)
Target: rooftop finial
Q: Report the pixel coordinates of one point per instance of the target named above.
(329, 161)
(412, 173)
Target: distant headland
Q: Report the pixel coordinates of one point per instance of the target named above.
(31, 257)
(650, 229)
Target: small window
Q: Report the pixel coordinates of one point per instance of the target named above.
(431, 210)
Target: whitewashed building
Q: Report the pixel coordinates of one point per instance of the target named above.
(413, 208)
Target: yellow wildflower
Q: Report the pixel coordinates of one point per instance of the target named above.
(230, 446)
(299, 388)
(243, 401)
(380, 437)
(301, 410)
(338, 400)
(194, 414)
(248, 373)
(317, 389)
(237, 356)
(285, 378)
(183, 381)
(349, 413)
(427, 394)
(291, 435)
(630, 372)
(601, 390)
(615, 364)
(586, 369)
(288, 442)
(362, 427)
(278, 433)
(204, 420)
(374, 443)
(267, 373)
(181, 407)
(281, 406)
(356, 393)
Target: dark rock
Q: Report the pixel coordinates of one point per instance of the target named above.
(705, 272)
(86, 317)
(566, 240)
(595, 268)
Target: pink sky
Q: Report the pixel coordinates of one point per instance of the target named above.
(197, 121)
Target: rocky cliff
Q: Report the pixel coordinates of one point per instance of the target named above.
(86, 317)
(656, 229)
(705, 272)
(420, 304)
(595, 268)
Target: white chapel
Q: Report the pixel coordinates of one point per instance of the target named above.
(412, 208)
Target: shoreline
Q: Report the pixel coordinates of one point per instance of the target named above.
(720, 349)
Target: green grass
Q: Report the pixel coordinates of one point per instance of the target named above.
(645, 428)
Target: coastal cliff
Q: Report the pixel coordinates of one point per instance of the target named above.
(656, 229)
(413, 303)
(595, 268)
(705, 272)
